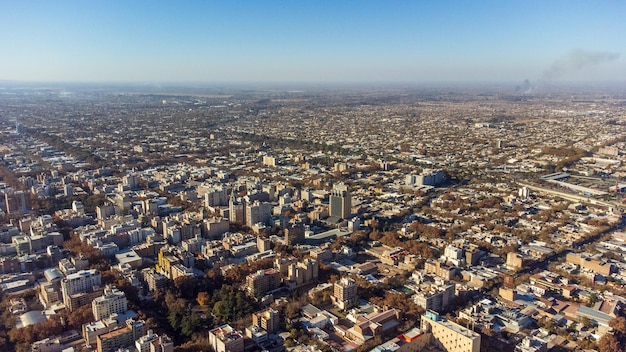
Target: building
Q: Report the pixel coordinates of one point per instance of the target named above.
(449, 336)
(83, 281)
(152, 342)
(302, 273)
(22, 244)
(294, 235)
(17, 202)
(154, 280)
(430, 178)
(586, 262)
(226, 339)
(345, 293)
(436, 297)
(411, 341)
(263, 244)
(263, 281)
(121, 337)
(269, 160)
(113, 301)
(131, 181)
(216, 197)
(514, 260)
(268, 319)
(236, 210)
(340, 202)
(372, 325)
(162, 343)
(258, 212)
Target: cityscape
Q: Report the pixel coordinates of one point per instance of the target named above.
(334, 176)
(387, 219)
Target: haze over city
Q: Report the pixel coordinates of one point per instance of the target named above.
(327, 41)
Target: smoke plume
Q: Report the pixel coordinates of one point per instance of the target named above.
(576, 60)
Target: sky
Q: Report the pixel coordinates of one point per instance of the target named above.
(312, 41)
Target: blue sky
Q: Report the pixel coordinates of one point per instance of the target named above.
(312, 41)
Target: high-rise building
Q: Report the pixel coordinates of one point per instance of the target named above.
(268, 319)
(81, 282)
(113, 301)
(122, 337)
(449, 336)
(17, 202)
(262, 281)
(236, 210)
(294, 235)
(340, 201)
(162, 344)
(304, 272)
(216, 197)
(345, 293)
(152, 342)
(258, 212)
(131, 181)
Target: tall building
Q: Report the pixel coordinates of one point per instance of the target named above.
(19, 128)
(113, 301)
(131, 181)
(450, 336)
(294, 235)
(83, 281)
(268, 319)
(226, 339)
(258, 212)
(262, 281)
(236, 210)
(340, 202)
(436, 297)
(17, 202)
(344, 293)
(304, 272)
(216, 197)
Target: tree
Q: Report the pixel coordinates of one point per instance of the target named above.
(203, 298)
(609, 343)
(619, 324)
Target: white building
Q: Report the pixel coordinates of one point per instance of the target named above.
(82, 281)
(113, 301)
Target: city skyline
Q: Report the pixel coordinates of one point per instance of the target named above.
(312, 42)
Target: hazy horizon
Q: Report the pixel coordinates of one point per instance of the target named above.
(367, 42)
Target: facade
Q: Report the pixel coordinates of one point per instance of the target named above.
(340, 202)
(17, 202)
(294, 235)
(216, 197)
(113, 301)
(152, 342)
(258, 212)
(82, 281)
(121, 337)
(226, 339)
(436, 297)
(345, 293)
(154, 280)
(259, 283)
(450, 336)
(269, 160)
(302, 273)
(268, 319)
